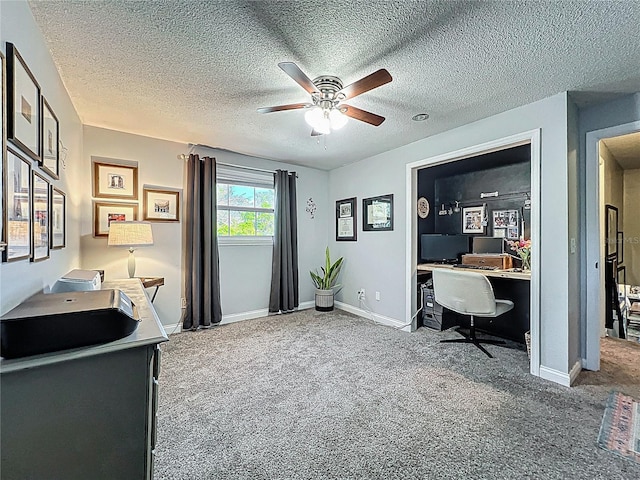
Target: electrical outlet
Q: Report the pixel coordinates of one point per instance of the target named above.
(183, 303)
(361, 294)
(378, 296)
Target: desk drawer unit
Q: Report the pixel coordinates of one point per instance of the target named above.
(503, 262)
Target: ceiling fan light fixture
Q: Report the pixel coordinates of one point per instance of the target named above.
(317, 119)
(337, 118)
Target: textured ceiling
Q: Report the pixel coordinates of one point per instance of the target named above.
(625, 149)
(196, 71)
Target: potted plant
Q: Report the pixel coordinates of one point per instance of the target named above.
(326, 282)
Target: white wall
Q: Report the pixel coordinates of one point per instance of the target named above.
(21, 279)
(376, 261)
(157, 166)
(245, 270)
(610, 114)
(573, 286)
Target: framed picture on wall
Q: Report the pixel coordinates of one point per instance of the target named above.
(377, 213)
(41, 208)
(611, 231)
(115, 180)
(506, 223)
(50, 140)
(621, 275)
(3, 139)
(58, 218)
(16, 206)
(472, 219)
(23, 105)
(620, 247)
(346, 226)
(104, 213)
(160, 205)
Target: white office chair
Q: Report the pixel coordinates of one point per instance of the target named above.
(469, 293)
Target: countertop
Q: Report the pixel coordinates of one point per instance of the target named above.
(150, 331)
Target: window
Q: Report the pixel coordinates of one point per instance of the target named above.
(245, 206)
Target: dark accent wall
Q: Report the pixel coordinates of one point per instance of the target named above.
(506, 171)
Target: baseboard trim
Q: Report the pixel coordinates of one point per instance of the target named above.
(238, 317)
(564, 379)
(392, 322)
(575, 371)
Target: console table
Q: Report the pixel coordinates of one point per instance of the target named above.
(148, 282)
(86, 413)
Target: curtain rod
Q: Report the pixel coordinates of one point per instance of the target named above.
(182, 156)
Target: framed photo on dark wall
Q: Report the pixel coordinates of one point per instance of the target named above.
(472, 218)
(23, 105)
(377, 213)
(346, 215)
(611, 231)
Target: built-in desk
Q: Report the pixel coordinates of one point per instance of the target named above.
(508, 285)
(85, 413)
(512, 273)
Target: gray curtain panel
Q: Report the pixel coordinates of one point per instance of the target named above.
(202, 283)
(284, 268)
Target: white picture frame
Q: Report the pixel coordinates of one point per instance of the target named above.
(472, 219)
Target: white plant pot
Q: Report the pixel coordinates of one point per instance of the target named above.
(324, 300)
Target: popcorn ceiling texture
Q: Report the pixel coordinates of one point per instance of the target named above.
(196, 71)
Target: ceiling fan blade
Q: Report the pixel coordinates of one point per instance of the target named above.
(298, 75)
(280, 108)
(315, 133)
(361, 115)
(375, 80)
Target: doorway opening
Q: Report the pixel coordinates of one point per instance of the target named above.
(612, 236)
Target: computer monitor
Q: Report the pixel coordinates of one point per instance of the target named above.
(443, 248)
(488, 245)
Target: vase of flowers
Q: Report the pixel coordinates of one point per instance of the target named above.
(522, 248)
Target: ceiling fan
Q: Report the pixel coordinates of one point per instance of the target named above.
(326, 112)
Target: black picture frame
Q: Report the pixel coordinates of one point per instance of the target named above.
(377, 213)
(50, 131)
(58, 234)
(346, 220)
(40, 213)
(16, 207)
(620, 247)
(621, 275)
(611, 231)
(23, 126)
(3, 138)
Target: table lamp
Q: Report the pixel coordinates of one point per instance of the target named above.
(130, 234)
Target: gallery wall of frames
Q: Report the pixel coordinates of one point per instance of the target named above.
(34, 208)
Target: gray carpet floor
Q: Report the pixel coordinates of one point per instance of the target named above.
(312, 395)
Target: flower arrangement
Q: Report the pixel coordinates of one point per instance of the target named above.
(523, 248)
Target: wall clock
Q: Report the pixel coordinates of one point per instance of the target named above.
(423, 207)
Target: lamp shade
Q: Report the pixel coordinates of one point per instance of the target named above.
(130, 234)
